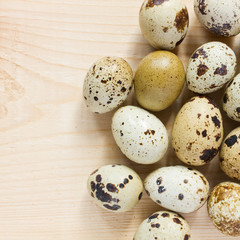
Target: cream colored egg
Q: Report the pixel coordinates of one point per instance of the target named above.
(231, 99)
(223, 208)
(230, 154)
(115, 188)
(177, 188)
(107, 84)
(163, 225)
(164, 23)
(210, 67)
(197, 131)
(221, 17)
(140, 135)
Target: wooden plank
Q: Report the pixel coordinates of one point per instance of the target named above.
(50, 142)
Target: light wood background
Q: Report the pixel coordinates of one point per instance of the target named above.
(50, 142)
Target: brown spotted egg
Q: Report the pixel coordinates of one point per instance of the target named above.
(163, 225)
(177, 188)
(107, 84)
(223, 208)
(221, 17)
(231, 99)
(210, 67)
(230, 154)
(197, 131)
(140, 135)
(164, 23)
(115, 188)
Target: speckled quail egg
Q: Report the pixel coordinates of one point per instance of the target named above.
(115, 188)
(159, 80)
(177, 188)
(231, 99)
(107, 84)
(197, 131)
(230, 154)
(164, 23)
(163, 225)
(140, 135)
(210, 67)
(223, 208)
(221, 17)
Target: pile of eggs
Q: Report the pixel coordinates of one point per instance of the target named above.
(197, 133)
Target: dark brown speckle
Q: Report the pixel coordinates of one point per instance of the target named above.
(177, 220)
(208, 154)
(231, 140)
(181, 20)
(186, 237)
(218, 136)
(202, 7)
(202, 69)
(180, 196)
(221, 30)
(152, 3)
(111, 187)
(115, 207)
(221, 70)
(98, 178)
(161, 189)
(159, 181)
(216, 122)
(157, 225)
(123, 89)
(165, 215)
(125, 181)
(204, 133)
(93, 186)
(165, 29)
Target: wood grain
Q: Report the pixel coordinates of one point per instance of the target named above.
(49, 141)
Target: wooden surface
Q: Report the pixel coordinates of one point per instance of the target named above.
(50, 142)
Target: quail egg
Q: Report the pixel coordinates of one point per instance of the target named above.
(197, 131)
(159, 80)
(163, 225)
(221, 17)
(230, 154)
(164, 23)
(116, 188)
(210, 67)
(107, 84)
(140, 135)
(231, 99)
(177, 188)
(223, 208)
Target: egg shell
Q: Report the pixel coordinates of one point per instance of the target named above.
(116, 188)
(159, 80)
(163, 225)
(221, 17)
(177, 188)
(231, 99)
(230, 154)
(197, 131)
(223, 208)
(107, 84)
(210, 67)
(140, 135)
(164, 23)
